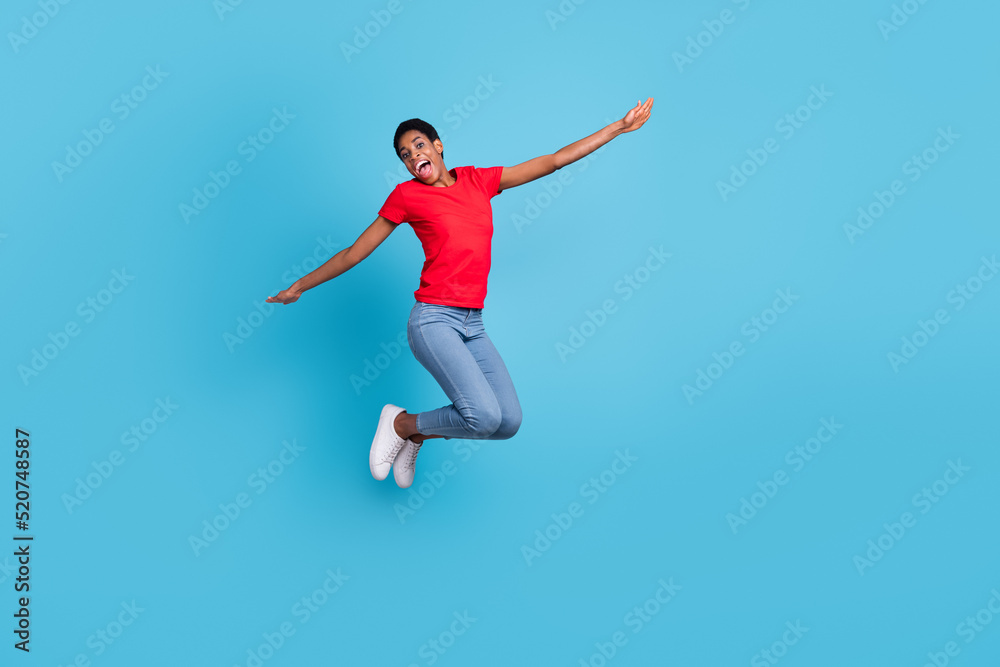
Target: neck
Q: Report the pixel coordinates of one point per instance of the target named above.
(446, 180)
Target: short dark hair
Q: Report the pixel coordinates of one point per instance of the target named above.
(414, 124)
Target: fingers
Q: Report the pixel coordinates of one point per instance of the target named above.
(642, 109)
(645, 110)
(638, 115)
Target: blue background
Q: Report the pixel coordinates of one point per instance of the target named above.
(169, 334)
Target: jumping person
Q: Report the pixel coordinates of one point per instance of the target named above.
(450, 212)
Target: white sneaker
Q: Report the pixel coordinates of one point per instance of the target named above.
(386, 444)
(405, 465)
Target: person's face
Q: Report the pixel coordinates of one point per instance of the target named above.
(421, 157)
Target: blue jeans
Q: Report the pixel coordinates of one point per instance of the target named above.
(451, 343)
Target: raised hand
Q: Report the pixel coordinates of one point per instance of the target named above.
(636, 116)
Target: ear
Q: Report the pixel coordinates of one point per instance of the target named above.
(438, 146)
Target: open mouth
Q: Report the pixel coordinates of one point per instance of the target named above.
(423, 168)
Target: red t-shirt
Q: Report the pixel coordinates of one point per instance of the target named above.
(455, 226)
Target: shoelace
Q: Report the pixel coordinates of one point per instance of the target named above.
(390, 455)
(411, 456)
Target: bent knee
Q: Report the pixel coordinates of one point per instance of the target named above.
(483, 422)
(508, 426)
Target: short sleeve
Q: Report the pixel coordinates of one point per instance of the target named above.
(394, 209)
(489, 180)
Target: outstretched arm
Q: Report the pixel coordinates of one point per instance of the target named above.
(343, 261)
(546, 164)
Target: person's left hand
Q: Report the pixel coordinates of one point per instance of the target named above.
(285, 296)
(636, 116)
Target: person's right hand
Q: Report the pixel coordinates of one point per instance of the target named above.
(285, 296)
